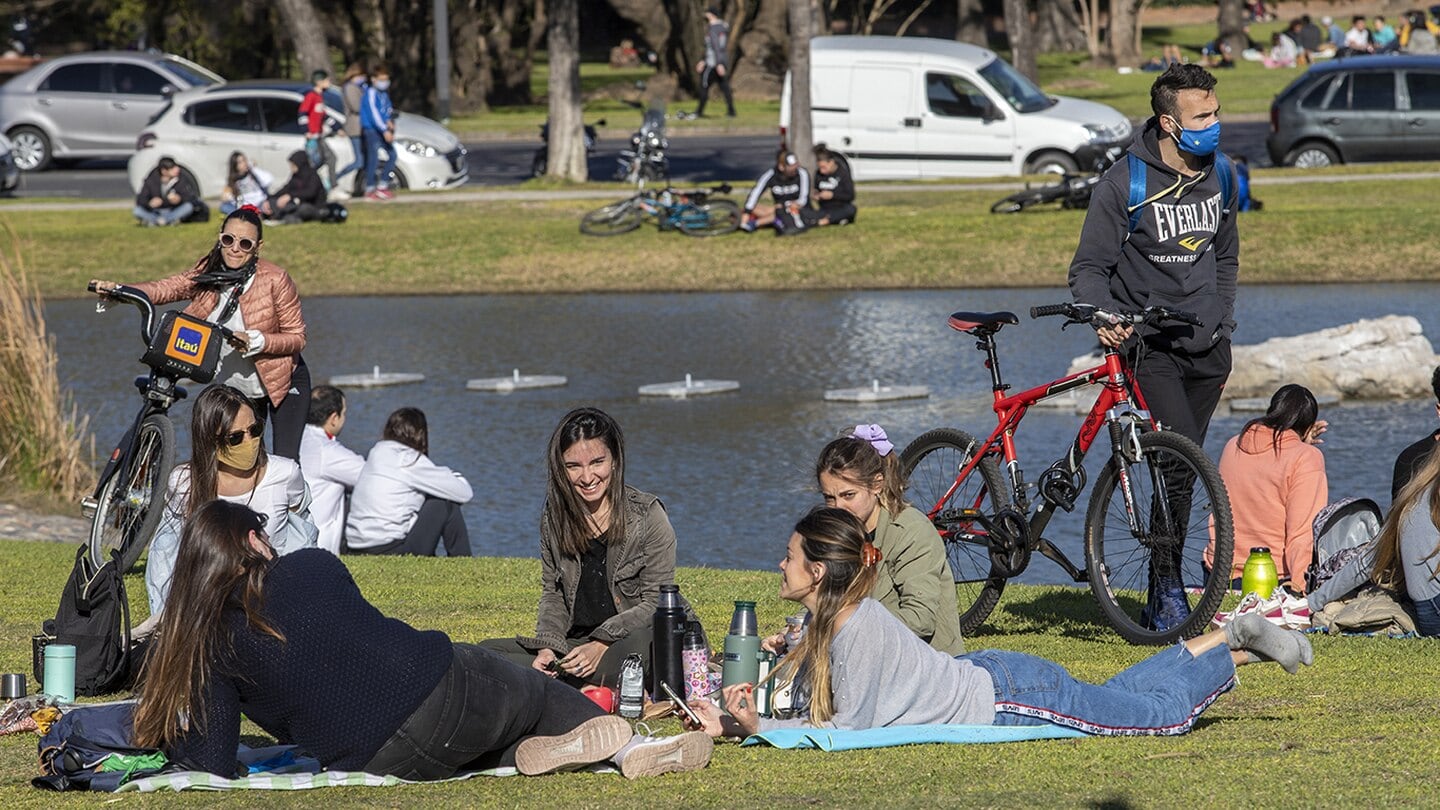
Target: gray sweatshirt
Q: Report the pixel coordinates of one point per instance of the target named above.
(882, 674)
(1418, 537)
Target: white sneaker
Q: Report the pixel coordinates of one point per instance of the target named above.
(594, 740)
(652, 756)
(338, 194)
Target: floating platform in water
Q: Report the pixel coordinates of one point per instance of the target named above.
(875, 392)
(376, 379)
(688, 387)
(516, 382)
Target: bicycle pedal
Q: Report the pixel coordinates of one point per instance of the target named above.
(88, 507)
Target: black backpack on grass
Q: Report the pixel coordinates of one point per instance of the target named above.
(94, 616)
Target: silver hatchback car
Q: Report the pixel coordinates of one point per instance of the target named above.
(90, 105)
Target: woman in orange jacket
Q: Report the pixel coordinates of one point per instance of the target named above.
(257, 300)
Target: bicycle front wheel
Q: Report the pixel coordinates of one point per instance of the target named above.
(1154, 578)
(612, 219)
(710, 218)
(931, 464)
(132, 501)
(1019, 201)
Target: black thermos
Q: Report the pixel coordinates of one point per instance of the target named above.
(669, 640)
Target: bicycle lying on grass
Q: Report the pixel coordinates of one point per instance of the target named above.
(692, 213)
(130, 496)
(1151, 516)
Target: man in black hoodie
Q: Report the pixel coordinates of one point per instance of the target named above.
(1181, 251)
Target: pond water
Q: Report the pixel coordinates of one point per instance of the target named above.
(734, 470)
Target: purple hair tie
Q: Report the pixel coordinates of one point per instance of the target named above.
(875, 435)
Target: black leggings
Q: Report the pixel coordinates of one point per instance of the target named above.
(483, 708)
(287, 420)
(438, 521)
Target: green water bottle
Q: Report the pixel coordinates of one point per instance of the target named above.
(1259, 575)
(742, 645)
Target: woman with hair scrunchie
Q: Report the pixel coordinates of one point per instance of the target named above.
(857, 668)
(257, 300)
(860, 473)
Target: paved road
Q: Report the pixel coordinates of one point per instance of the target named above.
(699, 159)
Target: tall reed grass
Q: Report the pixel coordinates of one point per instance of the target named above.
(43, 444)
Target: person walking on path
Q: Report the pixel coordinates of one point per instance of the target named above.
(377, 120)
(715, 67)
(352, 90)
(1176, 246)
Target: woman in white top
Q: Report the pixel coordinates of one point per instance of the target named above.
(228, 462)
(404, 503)
(331, 469)
(245, 184)
(858, 667)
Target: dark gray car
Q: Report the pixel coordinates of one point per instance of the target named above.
(1362, 108)
(90, 105)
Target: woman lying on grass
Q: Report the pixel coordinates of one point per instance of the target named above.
(859, 667)
(292, 643)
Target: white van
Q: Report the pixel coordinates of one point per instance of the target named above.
(909, 108)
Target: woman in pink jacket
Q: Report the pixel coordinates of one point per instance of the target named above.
(1276, 479)
(257, 299)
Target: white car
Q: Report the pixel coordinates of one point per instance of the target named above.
(200, 128)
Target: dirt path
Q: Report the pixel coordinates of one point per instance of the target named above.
(22, 524)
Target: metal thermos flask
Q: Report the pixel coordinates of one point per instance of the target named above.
(742, 645)
(667, 662)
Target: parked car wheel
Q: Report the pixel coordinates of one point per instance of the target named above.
(1313, 155)
(1052, 163)
(32, 149)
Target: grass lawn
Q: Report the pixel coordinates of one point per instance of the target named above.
(902, 240)
(1357, 728)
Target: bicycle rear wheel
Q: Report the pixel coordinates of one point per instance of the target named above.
(931, 463)
(1020, 200)
(612, 219)
(710, 218)
(1179, 500)
(132, 501)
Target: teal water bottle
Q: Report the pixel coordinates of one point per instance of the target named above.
(1259, 575)
(742, 645)
(60, 672)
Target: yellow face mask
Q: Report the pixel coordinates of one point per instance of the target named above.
(242, 456)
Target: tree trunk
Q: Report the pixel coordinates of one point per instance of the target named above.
(1125, 31)
(801, 134)
(1058, 27)
(567, 137)
(1090, 21)
(1230, 23)
(763, 43)
(1019, 30)
(970, 22)
(302, 24)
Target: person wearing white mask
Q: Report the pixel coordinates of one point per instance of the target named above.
(330, 468)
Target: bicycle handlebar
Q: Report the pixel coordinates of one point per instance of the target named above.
(141, 301)
(1095, 316)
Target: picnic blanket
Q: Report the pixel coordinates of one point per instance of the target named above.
(841, 740)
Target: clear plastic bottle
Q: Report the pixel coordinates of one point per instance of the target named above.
(632, 687)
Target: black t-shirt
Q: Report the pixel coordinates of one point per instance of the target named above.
(1409, 462)
(593, 603)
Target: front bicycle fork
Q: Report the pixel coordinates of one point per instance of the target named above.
(1125, 424)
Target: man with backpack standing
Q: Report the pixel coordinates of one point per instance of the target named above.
(377, 119)
(716, 64)
(1160, 231)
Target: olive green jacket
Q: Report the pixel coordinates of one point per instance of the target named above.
(915, 581)
(634, 570)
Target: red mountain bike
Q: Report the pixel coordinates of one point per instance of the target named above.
(1155, 506)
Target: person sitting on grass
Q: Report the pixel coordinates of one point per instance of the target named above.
(858, 667)
(404, 503)
(245, 184)
(834, 191)
(605, 550)
(302, 198)
(789, 186)
(331, 469)
(292, 644)
(1406, 553)
(1413, 457)
(166, 197)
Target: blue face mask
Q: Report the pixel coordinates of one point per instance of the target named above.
(1199, 142)
(383, 84)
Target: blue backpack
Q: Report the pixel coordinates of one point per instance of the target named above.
(73, 753)
(1223, 167)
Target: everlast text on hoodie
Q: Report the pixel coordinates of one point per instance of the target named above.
(1183, 254)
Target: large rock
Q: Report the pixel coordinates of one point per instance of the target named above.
(1384, 358)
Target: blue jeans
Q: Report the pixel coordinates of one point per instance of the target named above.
(357, 148)
(164, 216)
(1161, 695)
(1427, 617)
(374, 141)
